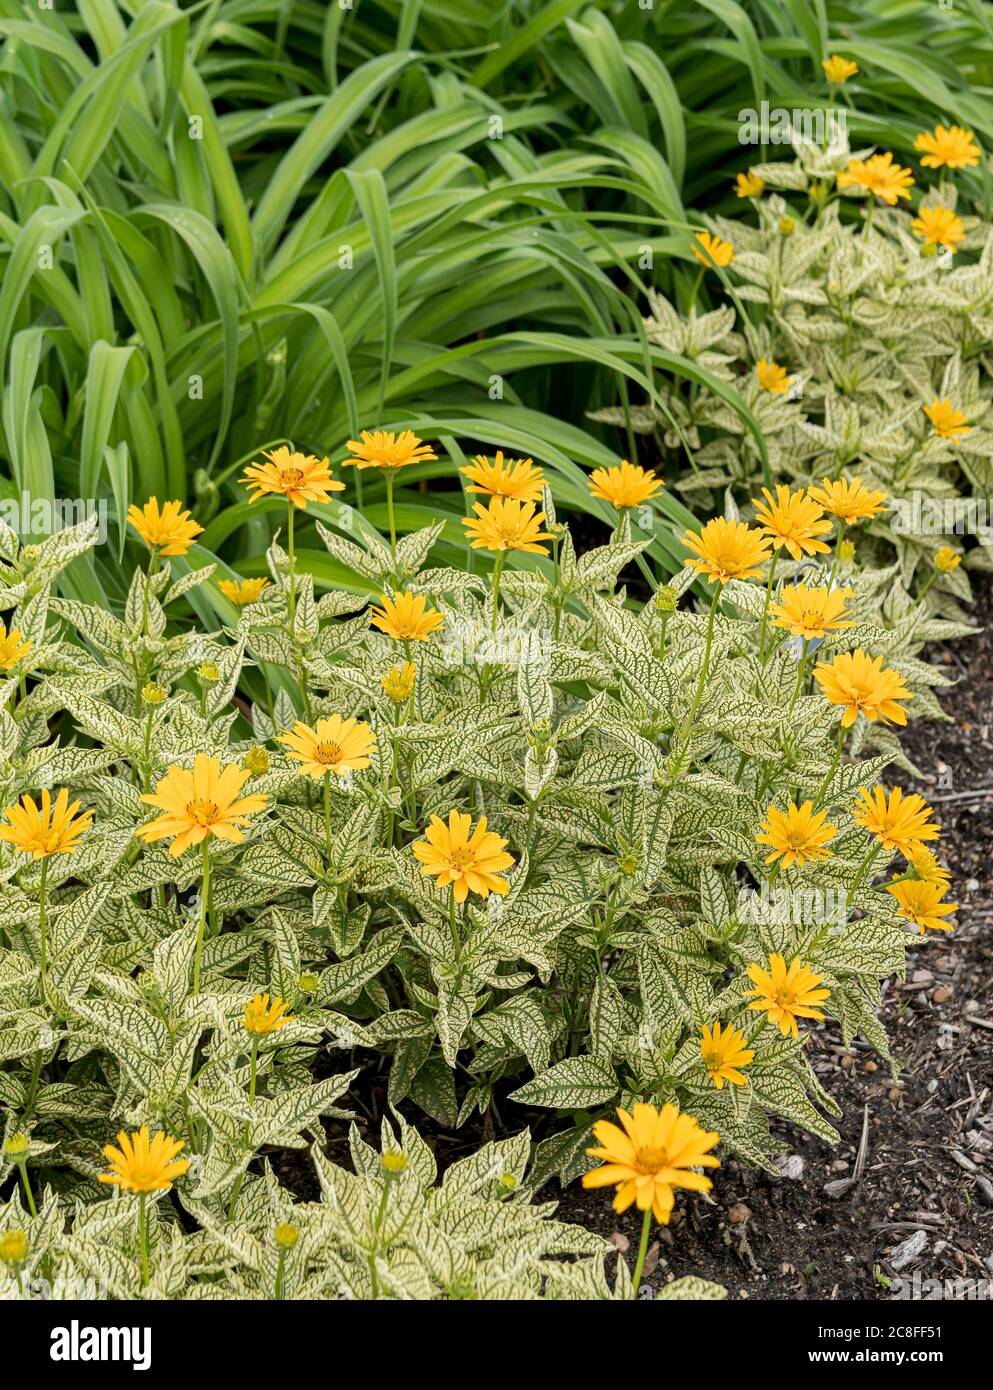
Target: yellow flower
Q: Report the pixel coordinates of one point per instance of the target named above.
(797, 836)
(13, 1247)
(153, 693)
(334, 745)
(861, 684)
(48, 830)
(810, 613)
(715, 251)
(143, 1165)
(394, 1162)
(946, 559)
(242, 591)
(786, 994)
(846, 552)
(12, 647)
(506, 525)
(921, 903)
(300, 478)
(171, 531)
(471, 860)
(926, 867)
(384, 449)
(946, 420)
(948, 146)
(517, 478)
(256, 761)
(399, 681)
(624, 485)
(838, 69)
(652, 1154)
(727, 550)
(748, 185)
(772, 377)
(848, 498)
(286, 1235)
(724, 1053)
(406, 617)
(939, 226)
(263, 1017)
(793, 520)
(902, 823)
(879, 175)
(200, 803)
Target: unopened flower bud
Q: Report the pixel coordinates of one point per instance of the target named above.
(153, 693)
(256, 761)
(13, 1246)
(394, 1161)
(209, 672)
(286, 1235)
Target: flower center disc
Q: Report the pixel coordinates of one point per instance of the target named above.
(203, 812)
(290, 476)
(652, 1160)
(327, 754)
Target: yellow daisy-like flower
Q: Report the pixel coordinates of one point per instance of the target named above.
(879, 175)
(902, 823)
(506, 525)
(300, 478)
(838, 70)
(939, 226)
(384, 449)
(399, 681)
(171, 531)
(848, 498)
(927, 867)
(946, 559)
(13, 1247)
(13, 647)
(200, 803)
(521, 479)
(724, 1053)
(946, 420)
(727, 550)
(748, 185)
(772, 377)
(793, 520)
(652, 1154)
(624, 485)
(797, 836)
(337, 745)
(811, 613)
(261, 1016)
(242, 591)
(948, 147)
(471, 860)
(48, 829)
(406, 617)
(921, 902)
(141, 1164)
(861, 684)
(711, 250)
(786, 994)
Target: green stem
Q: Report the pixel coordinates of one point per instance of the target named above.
(291, 550)
(799, 677)
(454, 925)
(834, 765)
(143, 1239)
(278, 1291)
(392, 522)
(861, 872)
(26, 1184)
(327, 815)
(646, 1226)
(498, 565)
(765, 610)
(204, 895)
(687, 724)
(44, 927)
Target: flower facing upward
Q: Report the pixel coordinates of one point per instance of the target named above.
(797, 836)
(384, 449)
(170, 531)
(506, 525)
(939, 226)
(727, 550)
(848, 498)
(772, 377)
(838, 70)
(200, 803)
(946, 420)
(748, 185)
(13, 1247)
(724, 1053)
(879, 175)
(12, 647)
(811, 613)
(141, 1164)
(712, 250)
(470, 860)
(517, 478)
(406, 617)
(948, 146)
(241, 592)
(48, 829)
(793, 520)
(786, 994)
(921, 902)
(653, 1153)
(625, 485)
(902, 823)
(300, 478)
(337, 745)
(861, 684)
(399, 681)
(261, 1016)
(946, 559)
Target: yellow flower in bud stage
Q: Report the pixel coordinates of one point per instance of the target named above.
(624, 485)
(793, 520)
(714, 250)
(727, 550)
(256, 761)
(927, 867)
(724, 1053)
(13, 1247)
(263, 1016)
(471, 860)
(208, 672)
(796, 836)
(811, 613)
(286, 1235)
(938, 226)
(17, 1147)
(948, 147)
(242, 592)
(200, 803)
(394, 1162)
(170, 531)
(847, 498)
(48, 829)
(921, 902)
(406, 617)
(946, 420)
(786, 994)
(141, 1164)
(772, 377)
(787, 225)
(517, 478)
(399, 681)
(878, 175)
(506, 525)
(653, 1153)
(861, 684)
(386, 450)
(309, 981)
(838, 70)
(300, 478)
(946, 559)
(748, 185)
(13, 647)
(153, 694)
(846, 552)
(902, 822)
(337, 745)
